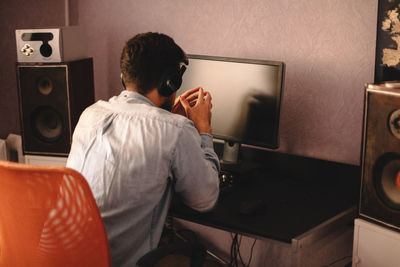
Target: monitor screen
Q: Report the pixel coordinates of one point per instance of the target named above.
(246, 97)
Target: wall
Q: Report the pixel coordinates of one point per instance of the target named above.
(19, 14)
(328, 47)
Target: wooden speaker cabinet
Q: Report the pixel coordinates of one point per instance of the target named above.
(380, 185)
(52, 96)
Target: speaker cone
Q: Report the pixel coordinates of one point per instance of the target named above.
(387, 180)
(47, 124)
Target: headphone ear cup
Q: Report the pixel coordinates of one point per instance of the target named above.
(170, 85)
(122, 81)
(164, 89)
(175, 82)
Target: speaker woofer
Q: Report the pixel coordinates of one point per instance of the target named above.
(387, 180)
(47, 124)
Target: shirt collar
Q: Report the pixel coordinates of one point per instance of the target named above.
(135, 96)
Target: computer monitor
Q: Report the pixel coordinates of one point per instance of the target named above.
(246, 97)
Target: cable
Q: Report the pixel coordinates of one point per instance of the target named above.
(238, 250)
(235, 250)
(251, 252)
(233, 258)
(231, 252)
(235, 254)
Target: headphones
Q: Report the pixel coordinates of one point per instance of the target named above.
(173, 79)
(122, 81)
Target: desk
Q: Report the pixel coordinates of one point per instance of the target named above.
(304, 198)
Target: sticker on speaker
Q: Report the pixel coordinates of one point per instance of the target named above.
(47, 124)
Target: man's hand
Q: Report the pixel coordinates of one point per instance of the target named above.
(197, 108)
(190, 96)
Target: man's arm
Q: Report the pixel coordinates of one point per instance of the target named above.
(196, 166)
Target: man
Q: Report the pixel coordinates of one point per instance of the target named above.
(132, 150)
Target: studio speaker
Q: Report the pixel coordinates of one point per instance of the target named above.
(380, 185)
(51, 99)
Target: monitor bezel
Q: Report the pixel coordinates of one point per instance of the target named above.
(281, 69)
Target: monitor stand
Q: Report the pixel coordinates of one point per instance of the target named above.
(230, 155)
(231, 161)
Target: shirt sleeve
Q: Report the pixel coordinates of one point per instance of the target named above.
(195, 168)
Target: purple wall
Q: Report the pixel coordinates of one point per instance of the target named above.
(328, 48)
(19, 14)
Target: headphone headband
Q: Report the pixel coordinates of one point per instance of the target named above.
(171, 82)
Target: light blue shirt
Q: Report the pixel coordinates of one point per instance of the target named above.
(132, 153)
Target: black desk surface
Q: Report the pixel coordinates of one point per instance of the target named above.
(299, 194)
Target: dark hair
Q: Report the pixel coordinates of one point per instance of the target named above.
(147, 58)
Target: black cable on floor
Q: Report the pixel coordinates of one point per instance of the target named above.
(235, 254)
(251, 252)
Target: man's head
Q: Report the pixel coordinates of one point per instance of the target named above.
(147, 58)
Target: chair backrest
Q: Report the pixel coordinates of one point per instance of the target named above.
(48, 217)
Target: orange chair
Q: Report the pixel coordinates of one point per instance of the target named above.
(48, 217)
